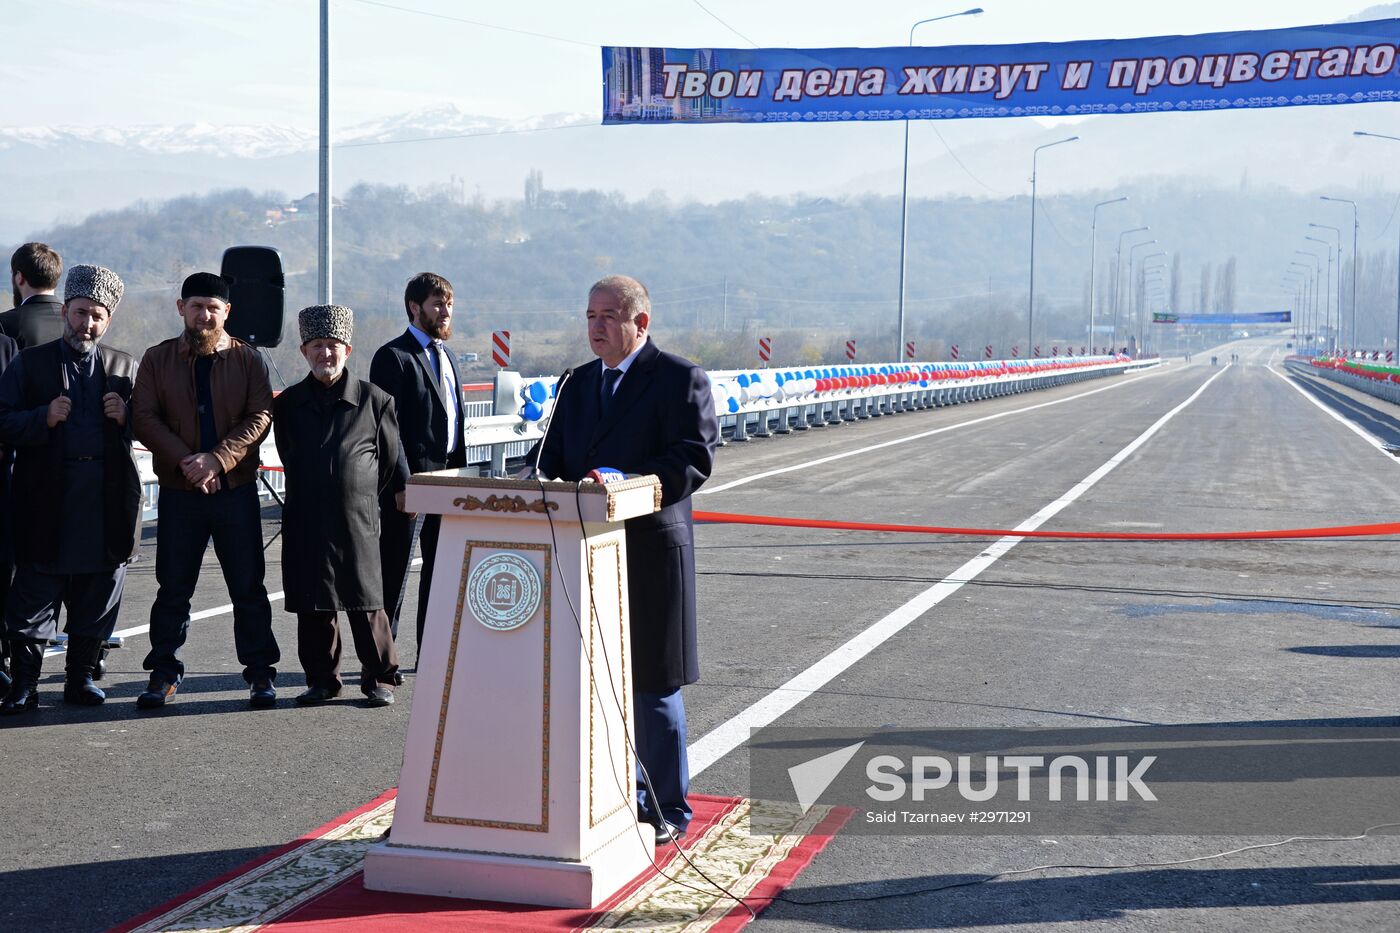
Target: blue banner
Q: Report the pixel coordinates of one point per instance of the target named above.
(1347, 63)
(1260, 317)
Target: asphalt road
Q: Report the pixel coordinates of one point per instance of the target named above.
(109, 812)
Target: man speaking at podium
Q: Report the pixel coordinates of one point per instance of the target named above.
(639, 410)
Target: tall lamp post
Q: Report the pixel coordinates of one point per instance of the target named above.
(1156, 275)
(904, 195)
(1030, 311)
(323, 209)
(1118, 276)
(1293, 288)
(1397, 272)
(1317, 276)
(1093, 258)
(1308, 288)
(1131, 249)
(1328, 310)
(1328, 246)
(1355, 229)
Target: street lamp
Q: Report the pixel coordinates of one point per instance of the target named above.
(1338, 233)
(1309, 296)
(1118, 275)
(1300, 324)
(1355, 229)
(904, 195)
(1093, 258)
(1030, 311)
(1131, 249)
(1142, 334)
(1328, 244)
(1317, 275)
(1397, 283)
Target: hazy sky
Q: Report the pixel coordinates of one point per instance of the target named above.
(88, 62)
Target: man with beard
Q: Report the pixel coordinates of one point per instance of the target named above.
(202, 405)
(37, 316)
(76, 491)
(8, 349)
(417, 371)
(339, 443)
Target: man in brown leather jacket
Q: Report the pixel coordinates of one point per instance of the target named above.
(202, 404)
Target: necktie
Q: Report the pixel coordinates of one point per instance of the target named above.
(449, 394)
(610, 377)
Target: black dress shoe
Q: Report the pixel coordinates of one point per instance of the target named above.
(82, 691)
(667, 833)
(315, 696)
(398, 678)
(158, 693)
(379, 695)
(21, 698)
(262, 695)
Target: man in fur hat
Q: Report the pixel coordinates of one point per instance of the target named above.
(76, 490)
(338, 438)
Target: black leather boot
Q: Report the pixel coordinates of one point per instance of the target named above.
(26, 662)
(5, 679)
(83, 655)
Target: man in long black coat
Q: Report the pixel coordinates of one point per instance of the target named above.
(416, 369)
(64, 410)
(639, 410)
(8, 349)
(338, 440)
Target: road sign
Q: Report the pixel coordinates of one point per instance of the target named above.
(765, 349)
(851, 350)
(909, 350)
(500, 348)
(953, 351)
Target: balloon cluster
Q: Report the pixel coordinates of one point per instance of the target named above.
(538, 396)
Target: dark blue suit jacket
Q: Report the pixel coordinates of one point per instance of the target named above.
(661, 420)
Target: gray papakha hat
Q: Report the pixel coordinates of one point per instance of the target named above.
(94, 283)
(334, 321)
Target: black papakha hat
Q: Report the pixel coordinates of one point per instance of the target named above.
(204, 285)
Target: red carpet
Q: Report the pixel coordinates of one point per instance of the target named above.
(313, 885)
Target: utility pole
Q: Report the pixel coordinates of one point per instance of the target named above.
(323, 244)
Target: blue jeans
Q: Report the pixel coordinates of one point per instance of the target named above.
(187, 522)
(660, 740)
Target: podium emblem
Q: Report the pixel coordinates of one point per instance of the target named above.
(503, 591)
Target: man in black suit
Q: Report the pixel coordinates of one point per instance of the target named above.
(639, 410)
(8, 349)
(37, 316)
(417, 371)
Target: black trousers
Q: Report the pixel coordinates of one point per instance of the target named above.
(93, 601)
(318, 648)
(395, 554)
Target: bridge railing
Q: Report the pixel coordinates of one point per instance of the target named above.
(1373, 378)
(751, 403)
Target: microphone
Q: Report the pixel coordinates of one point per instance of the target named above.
(544, 435)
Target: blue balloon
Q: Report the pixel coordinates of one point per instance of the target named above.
(743, 380)
(532, 411)
(536, 391)
(733, 404)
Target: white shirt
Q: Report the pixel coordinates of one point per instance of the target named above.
(626, 362)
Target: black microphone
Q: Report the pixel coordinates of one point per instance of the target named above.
(544, 435)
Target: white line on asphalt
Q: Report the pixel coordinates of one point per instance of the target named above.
(194, 616)
(1356, 429)
(916, 437)
(732, 733)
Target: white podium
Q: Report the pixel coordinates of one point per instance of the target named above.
(517, 781)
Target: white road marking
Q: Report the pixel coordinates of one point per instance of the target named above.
(1351, 426)
(734, 732)
(708, 490)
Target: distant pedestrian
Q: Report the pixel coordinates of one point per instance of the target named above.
(339, 443)
(37, 316)
(76, 491)
(417, 371)
(202, 405)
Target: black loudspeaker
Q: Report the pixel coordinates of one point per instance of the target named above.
(255, 285)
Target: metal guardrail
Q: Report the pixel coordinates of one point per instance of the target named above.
(1380, 388)
(492, 440)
